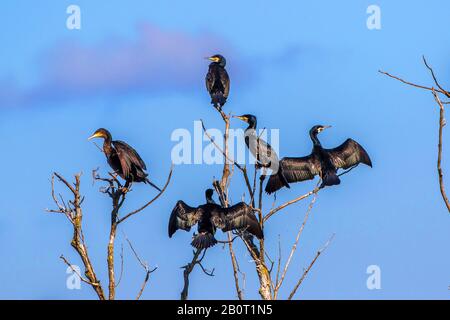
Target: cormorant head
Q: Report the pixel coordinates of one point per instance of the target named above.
(318, 129)
(208, 194)
(249, 118)
(101, 133)
(219, 59)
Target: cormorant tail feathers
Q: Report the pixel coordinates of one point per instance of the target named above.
(330, 178)
(203, 240)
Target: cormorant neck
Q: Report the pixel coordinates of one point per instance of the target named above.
(209, 196)
(107, 144)
(220, 64)
(251, 125)
(315, 140)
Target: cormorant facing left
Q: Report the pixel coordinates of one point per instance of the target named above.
(264, 154)
(218, 81)
(210, 216)
(123, 159)
(322, 162)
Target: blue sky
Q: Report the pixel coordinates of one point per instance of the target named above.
(293, 64)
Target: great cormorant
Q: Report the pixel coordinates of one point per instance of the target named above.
(210, 216)
(123, 159)
(262, 151)
(322, 162)
(218, 81)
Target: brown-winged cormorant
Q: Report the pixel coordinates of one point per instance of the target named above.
(123, 159)
(210, 216)
(322, 162)
(262, 151)
(218, 81)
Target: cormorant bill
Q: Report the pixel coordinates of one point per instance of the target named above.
(322, 162)
(217, 81)
(123, 159)
(262, 151)
(210, 216)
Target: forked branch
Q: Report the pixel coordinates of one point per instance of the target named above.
(435, 92)
(73, 211)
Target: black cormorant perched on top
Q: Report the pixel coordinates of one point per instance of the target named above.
(123, 159)
(265, 156)
(322, 162)
(210, 216)
(218, 81)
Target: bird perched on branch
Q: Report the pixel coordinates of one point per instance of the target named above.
(264, 154)
(322, 162)
(211, 216)
(217, 81)
(123, 159)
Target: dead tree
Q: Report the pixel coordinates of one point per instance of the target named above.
(73, 211)
(437, 91)
(270, 282)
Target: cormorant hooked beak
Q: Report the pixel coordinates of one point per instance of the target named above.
(96, 135)
(213, 59)
(243, 118)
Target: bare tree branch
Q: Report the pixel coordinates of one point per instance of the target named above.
(286, 204)
(77, 273)
(121, 266)
(305, 273)
(243, 169)
(144, 265)
(445, 92)
(435, 92)
(151, 201)
(439, 168)
(410, 83)
(75, 215)
(294, 247)
(187, 271)
(235, 268)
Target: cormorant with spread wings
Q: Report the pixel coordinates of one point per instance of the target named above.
(322, 162)
(123, 159)
(211, 216)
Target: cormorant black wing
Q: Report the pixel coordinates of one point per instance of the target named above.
(183, 217)
(210, 80)
(239, 216)
(294, 170)
(261, 150)
(128, 157)
(348, 154)
(225, 80)
(218, 83)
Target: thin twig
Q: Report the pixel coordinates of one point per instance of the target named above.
(434, 79)
(305, 273)
(410, 83)
(77, 273)
(150, 202)
(294, 246)
(121, 266)
(144, 265)
(284, 205)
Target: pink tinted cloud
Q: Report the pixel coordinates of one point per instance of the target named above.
(154, 60)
